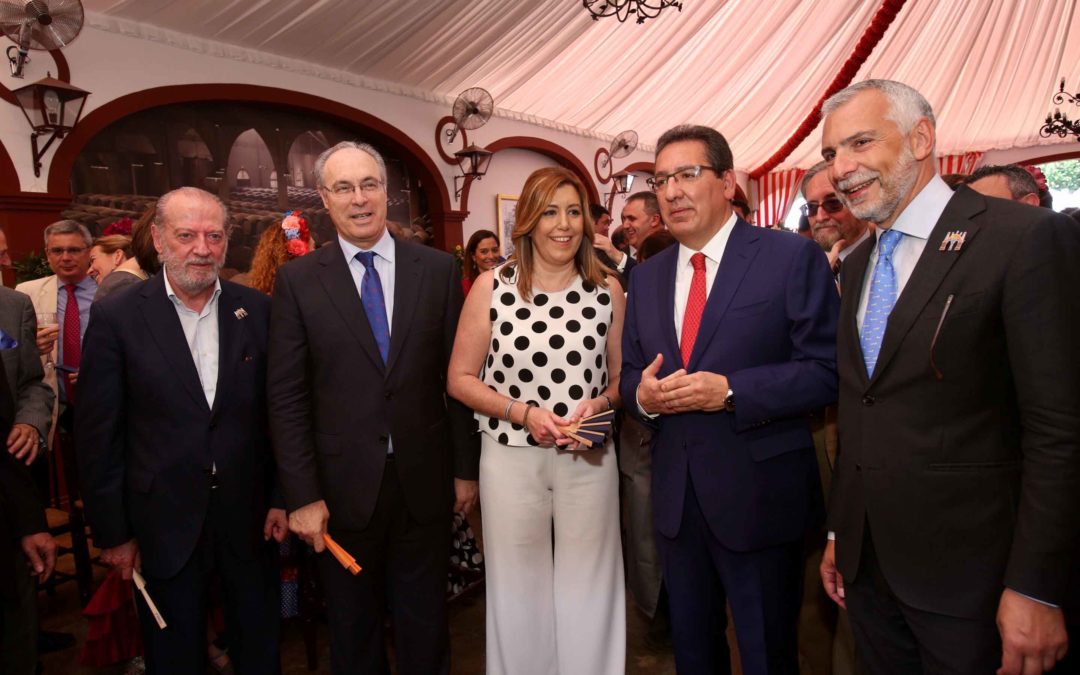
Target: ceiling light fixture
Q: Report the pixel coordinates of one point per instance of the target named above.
(624, 9)
(1059, 123)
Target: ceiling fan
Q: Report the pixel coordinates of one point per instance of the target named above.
(38, 24)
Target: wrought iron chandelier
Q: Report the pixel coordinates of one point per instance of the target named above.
(624, 9)
(1059, 123)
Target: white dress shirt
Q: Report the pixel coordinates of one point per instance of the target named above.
(384, 265)
(684, 276)
(916, 222)
(201, 333)
(684, 270)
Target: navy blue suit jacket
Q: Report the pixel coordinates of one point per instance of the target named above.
(770, 327)
(146, 438)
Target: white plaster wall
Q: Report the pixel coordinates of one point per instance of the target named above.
(508, 171)
(112, 58)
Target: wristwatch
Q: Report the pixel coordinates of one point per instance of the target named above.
(729, 401)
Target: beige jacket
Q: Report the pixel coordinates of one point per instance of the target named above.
(42, 293)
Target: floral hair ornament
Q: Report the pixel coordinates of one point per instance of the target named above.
(122, 226)
(297, 235)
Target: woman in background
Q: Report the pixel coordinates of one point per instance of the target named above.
(140, 263)
(278, 245)
(481, 255)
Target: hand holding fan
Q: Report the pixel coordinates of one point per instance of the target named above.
(591, 430)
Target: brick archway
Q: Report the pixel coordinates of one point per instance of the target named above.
(447, 221)
(545, 147)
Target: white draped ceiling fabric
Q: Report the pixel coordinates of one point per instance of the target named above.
(752, 69)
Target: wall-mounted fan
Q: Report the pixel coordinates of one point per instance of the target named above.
(38, 24)
(472, 110)
(621, 146)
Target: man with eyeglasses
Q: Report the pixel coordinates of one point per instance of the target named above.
(834, 227)
(62, 303)
(729, 343)
(370, 448)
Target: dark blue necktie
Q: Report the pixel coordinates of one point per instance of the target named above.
(371, 294)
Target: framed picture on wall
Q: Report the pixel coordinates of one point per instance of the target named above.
(505, 208)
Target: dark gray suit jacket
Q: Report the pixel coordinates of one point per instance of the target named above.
(33, 398)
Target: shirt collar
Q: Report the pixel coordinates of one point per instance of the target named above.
(384, 248)
(920, 216)
(178, 302)
(714, 248)
(851, 247)
(87, 284)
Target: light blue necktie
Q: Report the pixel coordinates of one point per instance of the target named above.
(881, 301)
(371, 294)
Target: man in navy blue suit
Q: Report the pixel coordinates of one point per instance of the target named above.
(729, 342)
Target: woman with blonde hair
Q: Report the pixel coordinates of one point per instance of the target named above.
(544, 333)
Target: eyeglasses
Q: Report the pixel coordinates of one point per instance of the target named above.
(342, 190)
(58, 251)
(684, 174)
(830, 204)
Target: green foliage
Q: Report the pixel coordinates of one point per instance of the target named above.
(1064, 176)
(33, 266)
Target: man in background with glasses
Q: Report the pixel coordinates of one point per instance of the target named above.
(834, 227)
(729, 343)
(64, 297)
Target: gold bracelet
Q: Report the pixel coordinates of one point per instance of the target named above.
(525, 418)
(608, 399)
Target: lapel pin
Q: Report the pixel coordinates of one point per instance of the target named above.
(240, 313)
(953, 241)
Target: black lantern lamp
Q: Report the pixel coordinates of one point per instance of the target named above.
(474, 162)
(51, 107)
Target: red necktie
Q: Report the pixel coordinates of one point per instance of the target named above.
(72, 344)
(695, 307)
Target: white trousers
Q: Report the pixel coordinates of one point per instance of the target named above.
(560, 612)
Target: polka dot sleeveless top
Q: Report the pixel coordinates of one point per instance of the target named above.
(551, 352)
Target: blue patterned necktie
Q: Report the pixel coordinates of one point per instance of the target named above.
(371, 294)
(881, 301)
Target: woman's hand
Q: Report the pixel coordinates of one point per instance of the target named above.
(593, 406)
(544, 427)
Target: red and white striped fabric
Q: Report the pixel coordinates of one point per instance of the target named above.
(963, 164)
(776, 191)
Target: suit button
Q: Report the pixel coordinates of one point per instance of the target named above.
(384, 439)
(389, 396)
(858, 467)
(868, 400)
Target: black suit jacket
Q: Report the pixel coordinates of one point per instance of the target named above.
(334, 405)
(970, 482)
(623, 276)
(146, 438)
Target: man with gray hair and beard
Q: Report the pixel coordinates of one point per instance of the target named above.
(952, 516)
(173, 444)
(832, 225)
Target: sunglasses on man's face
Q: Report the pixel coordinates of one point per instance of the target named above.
(830, 204)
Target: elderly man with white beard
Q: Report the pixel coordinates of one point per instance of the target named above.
(173, 443)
